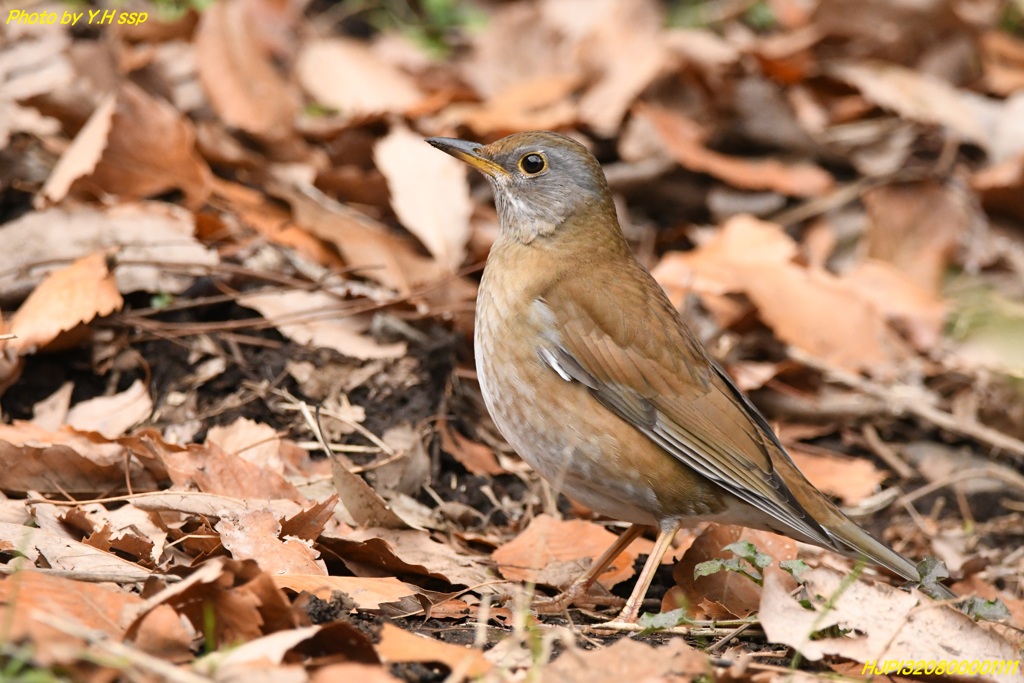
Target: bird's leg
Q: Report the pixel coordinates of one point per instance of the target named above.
(582, 585)
(631, 611)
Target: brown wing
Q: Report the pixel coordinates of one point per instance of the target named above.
(641, 362)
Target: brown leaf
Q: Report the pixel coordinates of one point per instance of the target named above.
(387, 552)
(847, 478)
(352, 671)
(310, 522)
(162, 634)
(682, 139)
(256, 535)
(134, 146)
(429, 194)
(238, 72)
(259, 654)
(30, 594)
(367, 245)
(320, 319)
(555, 552)
(350, 77)
(729, 593)
(629, 660)
(624, 45)
(255, 442)
(367, 592)
(994, 125)
(917, 227)
(60, 552)
(916, 311)
(362, 505)
(800, 305)
(37, 459)
(398, 645)
(754, 257)
(211, 470)
(1002, 56)
(541, 103)
(477, 458)
(67, 298)
(1001, 186)
(244, 599)
(141, 232)
(890, 623)
(114, 415)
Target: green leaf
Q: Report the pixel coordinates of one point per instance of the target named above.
(708, 568)
(744, 549)
(658, 622)
(986, 610)
(794, 567)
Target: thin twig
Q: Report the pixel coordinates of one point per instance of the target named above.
(89, 576)
(1011, 479)
(902, 405)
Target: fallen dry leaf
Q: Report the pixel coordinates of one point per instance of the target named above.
(429, 194)
(133, 146)
(66, 461)
(556, 552)
(238, 71)
(60, 552)
(244, 598)
(320, 319)
(211, 470)
(256, 535)
(114, 415)
(351, 671)
(727, 594)
(682, 139)
(367, 246)
(151, 237)
(366, 552)
(398, 645)
(755, 258)
(629, 660)
(475, 457)
(360, 504)
(252, 441)
(847, 478)
(367, 592)
(917, 227)
(350, 77)
(28, 595)
(67, 298)
(881, 623)
(257, 654)
(624, 46)
(994, 125)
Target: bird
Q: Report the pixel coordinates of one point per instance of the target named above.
(591, 375)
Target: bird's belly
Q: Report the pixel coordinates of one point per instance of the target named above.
(562, 431)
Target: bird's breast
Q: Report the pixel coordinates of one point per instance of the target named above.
(555, 424)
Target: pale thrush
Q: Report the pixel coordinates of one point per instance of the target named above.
(593, 378)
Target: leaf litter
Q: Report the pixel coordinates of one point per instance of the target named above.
(241, 421)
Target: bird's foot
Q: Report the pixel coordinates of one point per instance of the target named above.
(626, 621)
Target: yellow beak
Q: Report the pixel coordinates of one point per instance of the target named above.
(469, 152)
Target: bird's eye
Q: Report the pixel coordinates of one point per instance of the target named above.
(533, 163)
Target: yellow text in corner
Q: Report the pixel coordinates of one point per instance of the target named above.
(940, 667)
(95, 17)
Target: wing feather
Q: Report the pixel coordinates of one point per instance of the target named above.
(641, 362)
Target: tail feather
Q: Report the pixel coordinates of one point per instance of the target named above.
(853, 541)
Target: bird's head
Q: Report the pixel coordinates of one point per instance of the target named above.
(540, 180)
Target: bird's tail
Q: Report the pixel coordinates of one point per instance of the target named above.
(853, 541)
